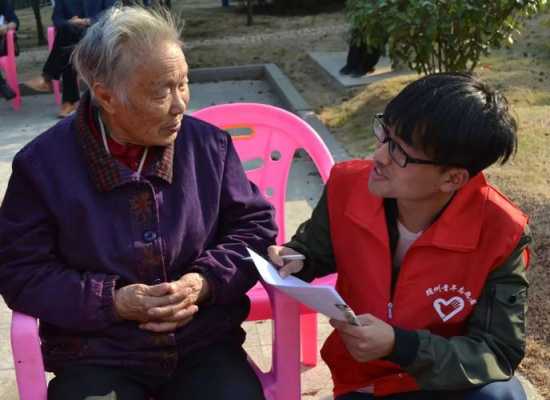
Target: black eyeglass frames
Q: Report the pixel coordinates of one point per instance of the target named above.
(398, 155)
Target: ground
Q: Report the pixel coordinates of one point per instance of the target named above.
(215, 38)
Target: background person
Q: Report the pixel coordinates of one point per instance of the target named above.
(8, 21)
(361, 59)
(124, 226)
(430, 255)
(71, 19)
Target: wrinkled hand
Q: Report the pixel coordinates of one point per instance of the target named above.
(372, 340)
(182, 298)
(133, 302)
(286, 268)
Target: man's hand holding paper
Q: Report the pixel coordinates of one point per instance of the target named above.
(286, 268)
(322, 298)
(373, 340)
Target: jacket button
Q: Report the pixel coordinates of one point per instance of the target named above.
(149, 236)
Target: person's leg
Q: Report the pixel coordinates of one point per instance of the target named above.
(71, 93)
(5, 91)
(59, 58)
(94, 382)
(66, 38)
(218, 372)
(369, 59)
(353, 59)
(347, 68)
(507, 390)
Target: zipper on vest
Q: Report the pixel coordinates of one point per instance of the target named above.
(390, 310)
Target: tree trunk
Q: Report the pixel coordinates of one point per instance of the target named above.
(249, 12)
(38, 18)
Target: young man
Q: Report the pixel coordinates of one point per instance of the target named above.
(428, 253)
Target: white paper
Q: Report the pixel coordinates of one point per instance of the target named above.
(322, 298)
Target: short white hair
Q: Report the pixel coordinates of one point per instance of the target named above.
(119, 42)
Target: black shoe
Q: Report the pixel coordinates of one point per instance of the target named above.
(6, 91)
(358, 73)
(345, 70)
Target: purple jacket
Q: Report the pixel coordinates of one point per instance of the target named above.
(75, 224)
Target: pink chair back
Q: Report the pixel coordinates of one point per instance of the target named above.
(266, 139)
(269, 136)
(9, 65)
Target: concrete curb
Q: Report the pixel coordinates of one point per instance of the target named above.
(283, 87)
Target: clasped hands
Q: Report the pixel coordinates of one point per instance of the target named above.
(373, 340)
(81, 22)
(164, 307)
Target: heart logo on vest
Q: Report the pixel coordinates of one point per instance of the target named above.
(447, 309)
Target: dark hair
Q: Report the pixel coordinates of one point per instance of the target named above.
(456, 119)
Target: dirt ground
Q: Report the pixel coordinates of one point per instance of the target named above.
(522, 73)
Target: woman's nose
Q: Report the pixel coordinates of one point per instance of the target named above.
(179, 103)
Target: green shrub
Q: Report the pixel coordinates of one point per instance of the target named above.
(439, 35)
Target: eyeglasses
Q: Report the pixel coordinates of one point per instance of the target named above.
(398, 155)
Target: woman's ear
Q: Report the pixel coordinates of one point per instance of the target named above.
(454, 178)
(103, 97)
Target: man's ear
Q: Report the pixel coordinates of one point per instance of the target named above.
(454, 178)
(104, 97)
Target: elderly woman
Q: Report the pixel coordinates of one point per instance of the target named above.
(123, 230)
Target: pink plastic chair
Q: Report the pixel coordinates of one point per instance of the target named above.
(273, 130)
(272, 135)
(8, 64)
(27, 358)
(55, 83)
(281, 383)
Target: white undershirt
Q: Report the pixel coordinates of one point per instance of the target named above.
(406, 239)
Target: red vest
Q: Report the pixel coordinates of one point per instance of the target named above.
(441, 276)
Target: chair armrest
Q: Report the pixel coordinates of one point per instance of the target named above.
(27, 357)
(286, 344)
(10, 40)
(51, 37)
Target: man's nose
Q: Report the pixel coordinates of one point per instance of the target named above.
(382, 153)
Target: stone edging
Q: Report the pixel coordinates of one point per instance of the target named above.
(284, 88)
